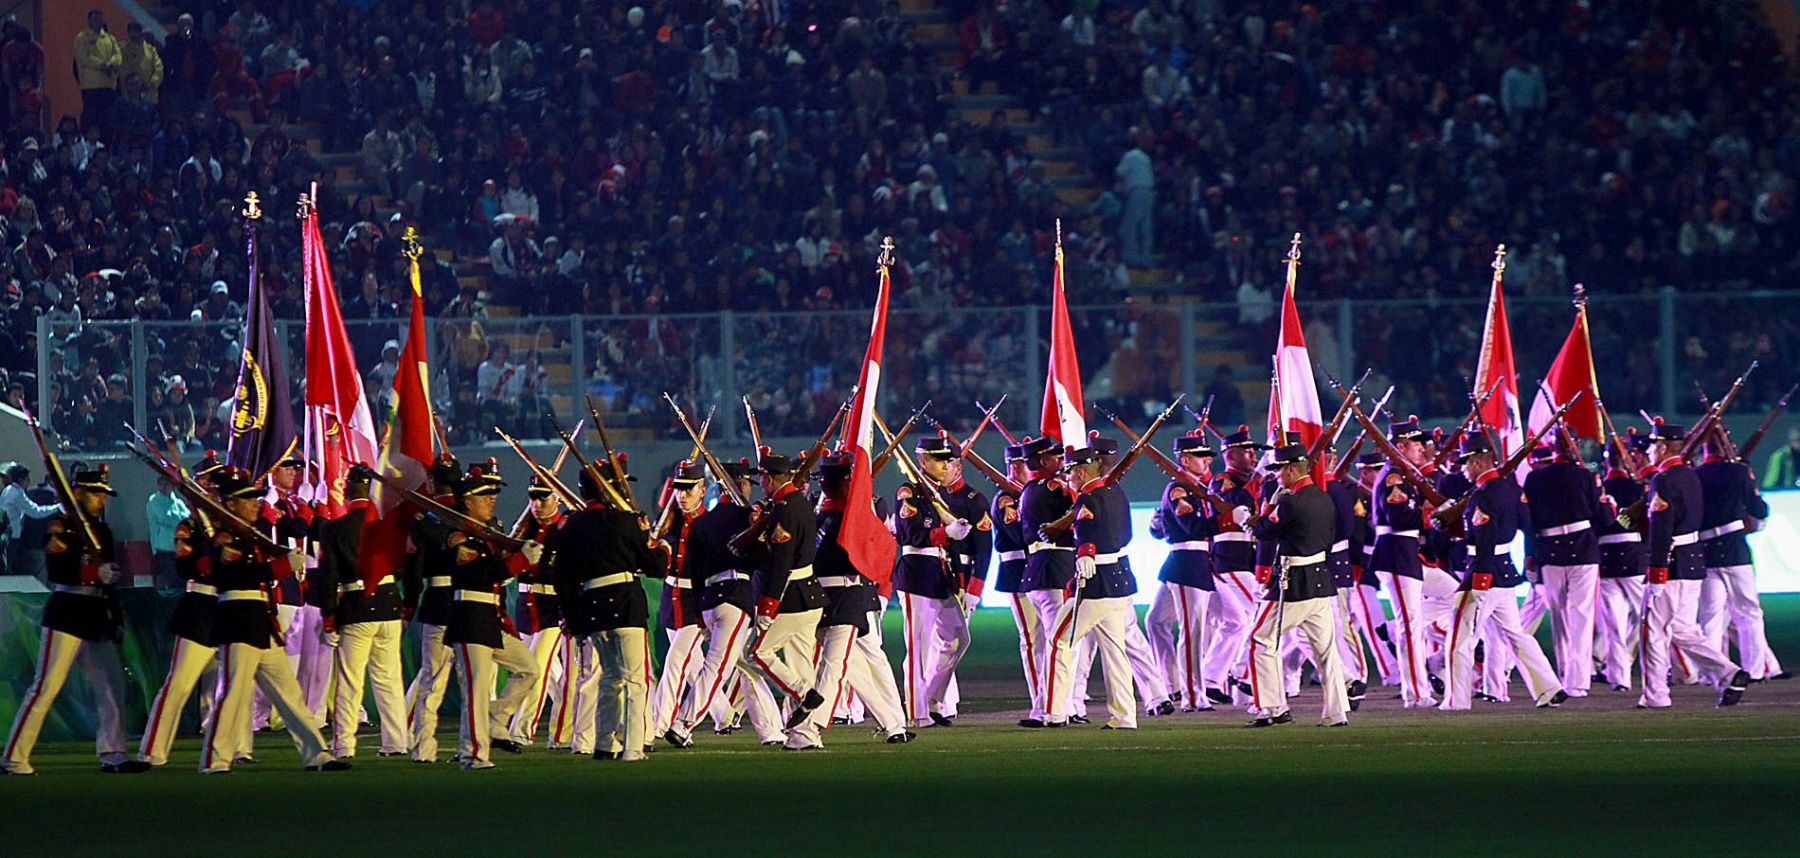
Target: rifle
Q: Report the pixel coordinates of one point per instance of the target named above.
(1330, 433)
(1710, 419)
(727, 483)
(455, 518)
(1612, 433)
(1749, 445)
(765, 517)
(1362, 435)
(665, 520)
(986, 418)
(1563, 437)
(612, 461)
(913, 473)
(1407, 469)
(171, 463)
(1450, 444)
(65, 493)
(1186, 480)
(998, 424)
(1112, 475)
(593, 473)
(202, 501)
(893, 444)
(1202, 421)
(547, 475)
(1452, 511)
(1719, 430)
(998, 478)
(755, 429)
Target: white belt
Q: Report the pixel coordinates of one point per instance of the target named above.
(78, 590)
(1292, 560)
(1565, 529)
(1009, 556)
(1340, 546)
(1190, 545)
(539, 589)
(800, 573)
(964, 559)
(241, 596)
(1384, 530)
(437, 581)
(1035, 547)
(1681, 539)
(1507, 548)
(723, 577)
(478, 596)
(357, 585)
(202, 588)
(1233, 536)
(840, 581)
(607, 580)
(1722, 530)
(929, 551)
(1616, 538)
(678, 583)
(1108, 559)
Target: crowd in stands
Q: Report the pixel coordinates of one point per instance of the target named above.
(656, 160)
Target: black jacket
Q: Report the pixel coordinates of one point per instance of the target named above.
(1302, 524)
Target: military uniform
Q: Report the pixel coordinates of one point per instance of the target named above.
(80, 624)
(1399, 517)
(1366, 610)
(1563, 498)
(1300, 522)
(789, 599)
(194, 653)
(678, 611)
(937, 579)
(428, 586)
(537, 615)
(1176, 621)
(1619, 613)
(1049, 563)
(1152, 688)
(1233, 603)
(363, 612)
(1010, 543)
(1101, 574)
(295, 526)
(1343, 577)
(1731, 506)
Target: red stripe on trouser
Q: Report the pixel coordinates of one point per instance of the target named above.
(912, 656)
(1255, 692)
(1455, 633)
(1412, 665)
(682, 674)
(537, 710)
(224, 689)
(756, 656)
(1033, 683)
(469, 703)
(37, 689)
(727, 665)
(1362, 661)
(560, 730)
(162, 697)
(1233, 578)
(1362, 598)
(1187, 649)
(838, 695)
(1055, 642)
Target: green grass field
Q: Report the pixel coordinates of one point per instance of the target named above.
(1595, 776)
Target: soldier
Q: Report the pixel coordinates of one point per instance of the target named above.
(970, 558)
(293, 519)
(191, 624)
(1677, 571)
(247, 629)
(1399, 516)
(845, 618)
(679, 610)
(1343, 577)
(1301, 522)
(479, 630)
(1151, 687)
(726, 605)
(1492, 519)
(933, 538)
(1732, 506)
(1011, 541)
(1234, 582)
(1176, 621)
(1620, 609)
(597, 557)
(1049, 558)
(429, 587)
(81, 622)
(363, 617)
(1366, 610)
(538, 614)
(1099, 531)
(789, 600)
(1562, 498)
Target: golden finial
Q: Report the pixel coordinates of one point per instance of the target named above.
(1581, 297)
(305, 204)
(887, 252)
(1499, 264)
(252, 206)
(1294, 250)
(409, 244)
(1059, 233)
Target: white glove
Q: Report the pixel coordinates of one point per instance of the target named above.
(533, 551)
(1650, 593)
(1239, 515)
(959, 529)
(109, 573)
(296, 559)
(1085, 567)
(763, 623)
(331, 639)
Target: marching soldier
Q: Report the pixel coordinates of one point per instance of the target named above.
(1728, 596)
(1010, 542)
(1677, 571)
(1366, 610)
(679, 611)
(1343, 577)
(970, 558)
(596, 559)
(1620, 609)
(1152, 689)
(1234, 560)
(1492, 519)
(934, 542)
(1563, 498)
(1399, 516)
(430, 588)
(479, 630)
(364, 617)
(248, 631)
(1049, 559)
(81, 622)
(537, 615)
(192, 626)
(1300, 521)
(294, 521)
(789, 600)
(1102, 604)
(1176, 621)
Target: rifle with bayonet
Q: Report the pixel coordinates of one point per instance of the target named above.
(1450, 513)
(59, 480)
(1061, 525)
(1749, 445)
(1612, 433)
(1362, 435)
(756, 441)
(994, 475)
(455, 518)
(998, 423)
(1406, 468)
(1635, 513)
(1450, 444)
(893, 443)
(201, 501)
(1203, 419)
(546, 475)
(1175, 471)
(987, 417)
(1564, 438)
(666, 518)
(600, 481)
(742, 543)
(623, 485)
(1330, 433)
(727, 483)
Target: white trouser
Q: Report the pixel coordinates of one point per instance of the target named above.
(1437, 599)
(1316, 620)
(1670, 619)
(624, 711)
(315, 666)
(372, 651)
(784, 652)
(1108, 620)
(929, 668)
(872, 678)
(1031, 647)
(1618, 617)
(484, 715)
(687, 652)
(546, 649)
(187, 665)
(57, 653)
(1151, 687)
(1350, 651)
(581, 672)
(1368, 615)
(426, 694)
(1496, 611)
(1572, 592)
(289, 617)
(246, 667)
(1176, 626)
(1407, 630)
(1536, 609)
(835, 649)
(1729, 593)
(728, 631)
(1232, 609)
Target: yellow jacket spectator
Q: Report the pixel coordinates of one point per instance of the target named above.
(97, 70)
(139, 56)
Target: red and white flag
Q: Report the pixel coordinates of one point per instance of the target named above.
(405, 449)
(1496, 365)
(338, 429)
(1294, 400)
(863, 535)
(1571, 373)
(1062, 416)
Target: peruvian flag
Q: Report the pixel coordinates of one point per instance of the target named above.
(338, 429)
(1062, 417)
(1294, 403)
(1571, 373)
(1501, 410)
(863, 535)
(405, 449)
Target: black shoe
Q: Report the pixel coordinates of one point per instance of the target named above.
(1053, 725)
(1031, 723)
(811, 701)
(606, 755)
(1786, 674)
(902, 738)
(1734, 690)
(1555, 702)
(1167, 707)
(129, 767)
(1218, 696)
(507, 745)
(1358, 690)
(1339, 724)
(330, 766)
(1617, 687)
(1437, 686)
(244, 761)
(1486, 698)
(839, 721)
(723, 731)
(941, 720)
(1283, 718)
(7, 770)
(650, 748)
(1079, 719)
(390, 753)
(804, 748)
(677, 740)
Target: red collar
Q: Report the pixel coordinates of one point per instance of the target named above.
(1646, 472)
(1671, 462)
(1711, 458)
(830, 504)
(593, 505)
(1429, 469)
(555, 519)
(689, 517)
(1092, 484)
(1487, 476)
(1301, 483)
(956, 486)
(1612, 473)
(784, 491)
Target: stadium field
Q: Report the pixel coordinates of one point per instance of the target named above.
(1595, 776)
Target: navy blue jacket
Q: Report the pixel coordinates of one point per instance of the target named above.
(1492, 519)
(1730, 497)
(1398, 508)
(1045, 500)
(846, 604)
(89, 617)
(1102, 528)
(709, 556)
(1562, 494)
(1233, 549)
(1183, 518)
(1009, 538)
(1676, 510)
(1621, 548)
(1302, 523)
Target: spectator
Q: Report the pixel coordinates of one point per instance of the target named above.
(17, 506)
(381, 153)
(1137, 184)
(139, 57)
(164, 512)
(188, 67)
(1783, 470)
(96, 68)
